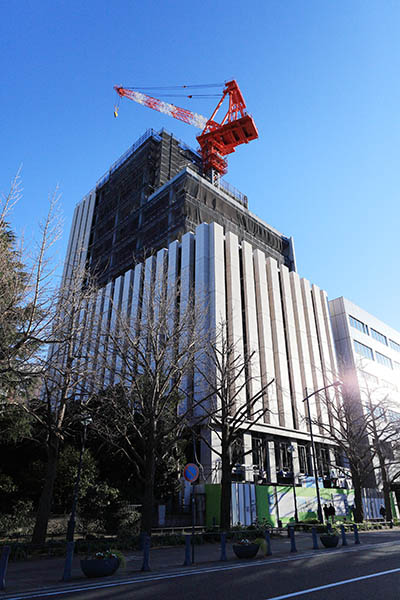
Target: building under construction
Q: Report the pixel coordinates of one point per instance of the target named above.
(153, 195)
(154, 215)
(163, 214)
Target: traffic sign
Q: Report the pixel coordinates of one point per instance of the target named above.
(191, 472)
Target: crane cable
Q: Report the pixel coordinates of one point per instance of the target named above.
(172, 87)
(175, 87)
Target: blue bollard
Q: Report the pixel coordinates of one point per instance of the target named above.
(292, 539)
(223, 547)
(188, 560)
(68, 561)
(344, 541)
(314, 538)
(267, 536)
(146, 553)
(356, 538)
(142, 539)
(3, 566)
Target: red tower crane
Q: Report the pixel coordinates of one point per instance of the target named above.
(217, 138)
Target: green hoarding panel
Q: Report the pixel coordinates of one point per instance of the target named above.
(263, 504)
(213, 500)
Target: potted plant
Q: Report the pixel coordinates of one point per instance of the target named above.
(329, 538)
(102, 564)
(245, 548)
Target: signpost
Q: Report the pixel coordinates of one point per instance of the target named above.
(191, 474)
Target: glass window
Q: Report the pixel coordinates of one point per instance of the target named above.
(283, 456)
(396, 365)
(369, 378)
(364, 350)
(323, 460)
(379, 336)
(393, 416)
(394, 345)
(358, 324)
(303, 459)
(389, 385)
(383, 360)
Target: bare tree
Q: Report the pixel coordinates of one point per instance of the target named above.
(44, 341)
(347, 428)
(360, 425)
(383, 428)
(228, 405)
(148, 360)
(67, 377)
(27, 298)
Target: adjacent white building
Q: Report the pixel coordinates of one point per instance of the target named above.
(367, 347)
(368, 352)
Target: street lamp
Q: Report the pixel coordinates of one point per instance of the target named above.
(307, 400)
(85, 420)
(296, 514)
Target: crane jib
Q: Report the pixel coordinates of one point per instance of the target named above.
(216, 139)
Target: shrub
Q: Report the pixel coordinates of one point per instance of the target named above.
(19, 519)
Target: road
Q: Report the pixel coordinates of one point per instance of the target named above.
(367, 572)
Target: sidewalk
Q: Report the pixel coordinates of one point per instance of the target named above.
(41, 574)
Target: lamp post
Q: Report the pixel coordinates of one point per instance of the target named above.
(314, 460)
(296, 514)
(86, 420)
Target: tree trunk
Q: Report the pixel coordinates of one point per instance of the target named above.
(46, 497)
(226, 492)
(386, 488)
(358, 504)
(148, 492)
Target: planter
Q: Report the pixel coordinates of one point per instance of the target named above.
(329, 541)
(95, 567)
(245, 550)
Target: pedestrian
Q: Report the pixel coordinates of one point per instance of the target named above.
(326, 512)
(332, 512)
(382, 510)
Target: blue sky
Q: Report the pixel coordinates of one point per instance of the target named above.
(321, 79)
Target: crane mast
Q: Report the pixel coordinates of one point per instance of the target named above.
(217, 139)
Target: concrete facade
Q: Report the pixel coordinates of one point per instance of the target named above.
(270, 312)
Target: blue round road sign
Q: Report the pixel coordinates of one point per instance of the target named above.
(191, 472)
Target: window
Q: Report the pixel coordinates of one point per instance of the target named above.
(369, 378)
(358, 324)
(393, 416)
(389, 385)
(283, 457)
(396, 365)
(383, 360)
(365, 351)
(387, 450)
(302, 459)
(260, 453)
(323, 460)
(394, 345)
(379, 336)
(338, 458)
